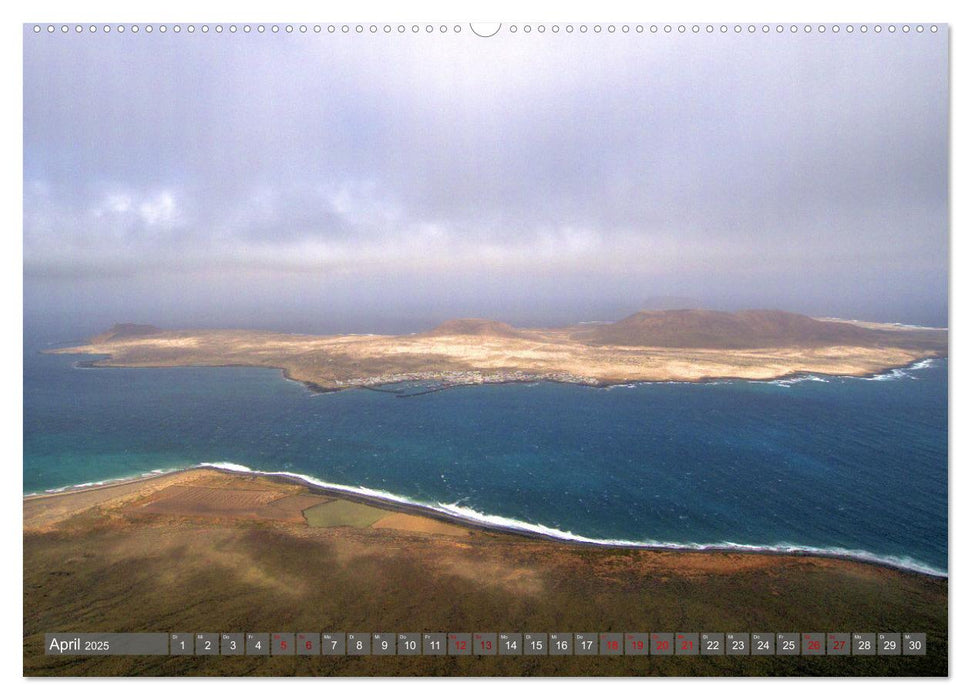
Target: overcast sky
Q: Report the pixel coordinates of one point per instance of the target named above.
(328, 182)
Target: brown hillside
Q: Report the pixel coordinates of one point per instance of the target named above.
(475, 326)
(697, 328)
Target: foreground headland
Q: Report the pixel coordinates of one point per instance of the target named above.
(206, 550)
(690, 346)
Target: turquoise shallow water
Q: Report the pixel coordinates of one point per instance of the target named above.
(844, 465)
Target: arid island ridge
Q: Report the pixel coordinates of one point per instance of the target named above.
(685, 345)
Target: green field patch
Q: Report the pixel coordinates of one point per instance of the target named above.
(343, 514)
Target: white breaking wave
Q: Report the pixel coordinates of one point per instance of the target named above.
(796, 380)
(113, 480)
(360, 490)
(503, 522)
(888, 376)
(901, 372)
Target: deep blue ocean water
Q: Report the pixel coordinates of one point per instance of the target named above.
(842, 464)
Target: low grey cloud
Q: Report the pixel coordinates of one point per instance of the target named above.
(521, 176)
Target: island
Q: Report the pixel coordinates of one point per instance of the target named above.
(650, 346)
(206, 549)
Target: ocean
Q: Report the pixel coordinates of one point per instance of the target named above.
(846, 466)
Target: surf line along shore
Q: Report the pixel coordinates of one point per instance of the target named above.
(206, 548)
(386, 502)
